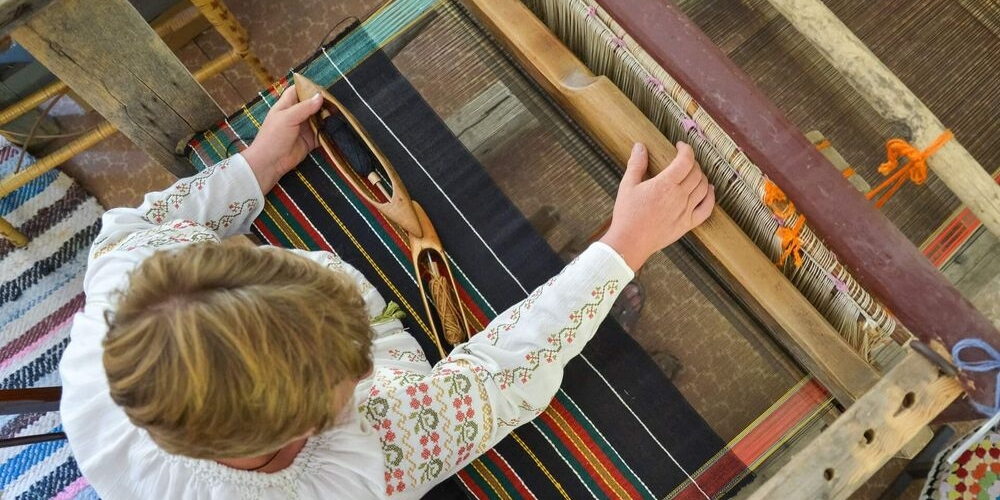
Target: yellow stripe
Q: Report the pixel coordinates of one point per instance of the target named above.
(211, 136)
(590, 457)
(284, 227)
(538, 463)
(490, 478)
(253, 119)
(413, 314)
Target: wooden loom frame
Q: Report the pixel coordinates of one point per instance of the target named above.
(35, 39)
(885, 416)
(885, 413)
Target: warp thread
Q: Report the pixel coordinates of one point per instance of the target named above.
(915, 167)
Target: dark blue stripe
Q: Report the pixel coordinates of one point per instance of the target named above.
(26, 459)
(28, 191)
(81, 241)
(43, 365)
(53, 483)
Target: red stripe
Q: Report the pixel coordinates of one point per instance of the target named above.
(471, 485)
(578, 454)
(303, 221)
(594, 448)
(265, 232)
(43, 327)
(758, 441)
(957, 232)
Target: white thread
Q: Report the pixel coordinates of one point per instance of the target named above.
(415, 160)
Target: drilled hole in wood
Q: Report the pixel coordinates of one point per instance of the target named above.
(908, 401)
(869, 436)
(828, 474)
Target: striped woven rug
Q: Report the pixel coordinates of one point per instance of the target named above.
(41, 287)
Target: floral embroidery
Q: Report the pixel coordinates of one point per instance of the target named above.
(427, 425)
(558, 340)
(235, 210)
(173, 233)
(410, 356)
(159, 210)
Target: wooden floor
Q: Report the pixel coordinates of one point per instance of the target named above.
(699, 336)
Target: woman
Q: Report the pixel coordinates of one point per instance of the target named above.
(206, 371)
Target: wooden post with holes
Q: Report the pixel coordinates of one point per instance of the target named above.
(867, 435)
(107, 53)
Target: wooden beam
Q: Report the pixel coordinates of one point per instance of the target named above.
(867, 435)
(613, 121)
(14, 13)
(110, 56)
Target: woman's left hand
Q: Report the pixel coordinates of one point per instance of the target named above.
(284, 138)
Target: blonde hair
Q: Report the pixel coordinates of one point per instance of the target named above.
(223, 351)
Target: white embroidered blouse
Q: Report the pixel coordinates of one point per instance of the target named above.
(500, 379)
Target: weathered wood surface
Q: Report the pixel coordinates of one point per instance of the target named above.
(14, 13)
(895, 102)
(110, 56)
(867, 435)
(613, 121)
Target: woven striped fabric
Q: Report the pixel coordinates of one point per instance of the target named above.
(41, 287)
(617, 428)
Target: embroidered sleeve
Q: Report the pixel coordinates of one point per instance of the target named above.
(431, 425)
(222, 200)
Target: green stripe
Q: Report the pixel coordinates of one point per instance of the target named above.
(480, 480)
(282, 240)
(546, 430)
(594, 436)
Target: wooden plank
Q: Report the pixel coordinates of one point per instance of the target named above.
(613, 121)
(867, 435)
(110, 56)
(14, 13)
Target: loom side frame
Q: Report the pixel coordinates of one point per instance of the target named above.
(881, 421)
(879, 256)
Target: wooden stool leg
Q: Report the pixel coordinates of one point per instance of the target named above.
(8, 231)
(225, 22)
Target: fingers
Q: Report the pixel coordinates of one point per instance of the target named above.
(638, 162)
(301, 112)
(287, 99)
(698, 193)
(704, 208)
(681, 167)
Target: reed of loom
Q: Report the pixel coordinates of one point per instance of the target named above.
(214, 11)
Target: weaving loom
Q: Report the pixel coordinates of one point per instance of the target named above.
(406, 29)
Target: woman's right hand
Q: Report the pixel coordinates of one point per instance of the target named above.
(652, 213)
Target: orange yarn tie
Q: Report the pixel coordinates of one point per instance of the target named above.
(777, 201)
(791, 244)
(915, 167)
